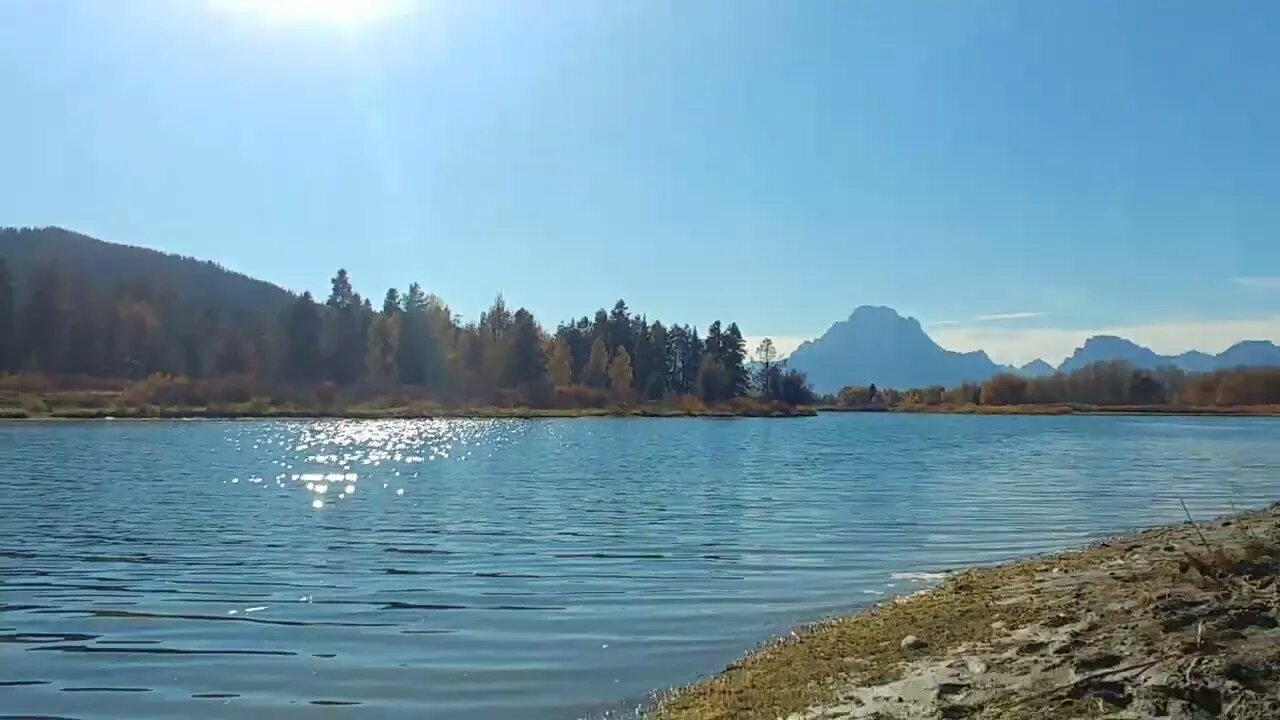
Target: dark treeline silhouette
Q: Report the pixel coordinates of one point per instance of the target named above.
(59, 325)
(1114, 383)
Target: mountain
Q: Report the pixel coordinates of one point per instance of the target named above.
(105, 265)
(877, 345)
(1101, 348)
(1035, 368)
(1248, 353)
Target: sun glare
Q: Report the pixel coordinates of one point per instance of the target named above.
(340, 13)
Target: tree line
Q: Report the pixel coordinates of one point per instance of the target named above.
(1111, 383)
(60, 325)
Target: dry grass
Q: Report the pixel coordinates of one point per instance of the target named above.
(809, 666)
(1135, 589)
(91, 406)
(1082, 409)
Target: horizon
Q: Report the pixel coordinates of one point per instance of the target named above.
(1019, 177)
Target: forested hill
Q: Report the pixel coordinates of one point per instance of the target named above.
(106, 265)
(73, 309)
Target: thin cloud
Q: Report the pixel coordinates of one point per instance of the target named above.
(1259, 282)
(945, 323)
(1008, 316)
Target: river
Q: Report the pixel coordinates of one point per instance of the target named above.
(503, 569)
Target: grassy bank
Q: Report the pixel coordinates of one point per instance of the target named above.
(55, 408)
(1180, 621)
(1061, 409)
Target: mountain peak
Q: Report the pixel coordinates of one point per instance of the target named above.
(1036, 368)
(879, 312)
(878, 345)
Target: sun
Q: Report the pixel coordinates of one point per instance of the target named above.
(338, 13)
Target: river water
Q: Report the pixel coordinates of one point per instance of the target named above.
(525, 569)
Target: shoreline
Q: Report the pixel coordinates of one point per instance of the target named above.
(1064, 409)
(1176, 621)
(99, 414)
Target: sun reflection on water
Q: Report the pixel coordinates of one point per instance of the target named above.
(329, 458)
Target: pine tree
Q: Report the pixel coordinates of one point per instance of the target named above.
(8, 334)
(417, 354)
(391, 302)
(303, 334)
(526, 363)
(44, 320)
(733, 357)
(345, 336)
(619, 328)
(712, 383)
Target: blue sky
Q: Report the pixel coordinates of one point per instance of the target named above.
(1073, 167)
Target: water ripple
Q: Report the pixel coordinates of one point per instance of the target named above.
(525, 569)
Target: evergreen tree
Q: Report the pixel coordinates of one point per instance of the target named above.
(733, 357)
(44, 320)
(618, 334)
(526, 362)
(391, 302)
(712, 382)
(655, 386)
(8, 333)
(303, 333)
(345, 331)
(417, 354)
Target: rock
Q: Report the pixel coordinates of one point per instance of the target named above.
(911, 642)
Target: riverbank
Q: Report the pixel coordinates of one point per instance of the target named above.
(1064, 409)
(1180, 621)
(381, 413)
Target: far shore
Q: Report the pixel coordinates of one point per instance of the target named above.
(403, 413)
(1059, 409)
(1180, 621)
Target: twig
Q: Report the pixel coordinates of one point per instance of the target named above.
(1187, 675)
(1203, 541)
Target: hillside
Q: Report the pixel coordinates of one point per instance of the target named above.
(104, 265)
(877, 345)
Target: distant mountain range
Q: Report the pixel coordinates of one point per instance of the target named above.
(877, 345)
(1247, 353)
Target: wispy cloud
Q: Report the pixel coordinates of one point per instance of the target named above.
(1259, 282)
(1008, 316)
(945, 323)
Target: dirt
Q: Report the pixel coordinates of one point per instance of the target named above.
(1177, 622)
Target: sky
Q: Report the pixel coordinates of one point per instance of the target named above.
(1017, 175)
